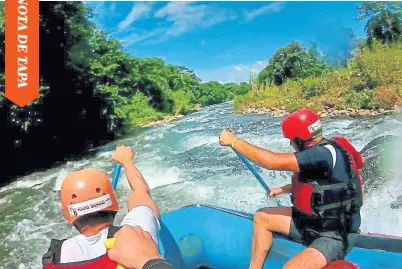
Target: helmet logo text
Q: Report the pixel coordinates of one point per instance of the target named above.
(314, 127)
(90, 206)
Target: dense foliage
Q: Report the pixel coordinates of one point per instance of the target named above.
(384, 21)
(370, 77)
(91, 88)
(293, 61)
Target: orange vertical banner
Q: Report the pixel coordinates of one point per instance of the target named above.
(22, 51)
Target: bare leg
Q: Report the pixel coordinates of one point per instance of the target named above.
(266, 221)
(309, 258)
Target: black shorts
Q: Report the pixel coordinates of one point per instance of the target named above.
(329, 243)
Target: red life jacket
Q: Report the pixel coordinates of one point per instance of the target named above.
(309, 197)
(51, 260)
(341, 264)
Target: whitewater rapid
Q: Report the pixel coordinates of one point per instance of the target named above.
(184, 163)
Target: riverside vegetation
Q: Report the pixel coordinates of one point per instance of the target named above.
(93, 90)
(367, 82)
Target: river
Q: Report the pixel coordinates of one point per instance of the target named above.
(184, 163)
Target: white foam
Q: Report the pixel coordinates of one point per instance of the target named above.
(38, 217)
(155, 135)
(59, 180)
(195, 129)
(30, 181)
(200, 140)
(378, 207)
(157, 176)
(106, 154)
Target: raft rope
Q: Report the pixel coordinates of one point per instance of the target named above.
(251, 218)
(381, 235)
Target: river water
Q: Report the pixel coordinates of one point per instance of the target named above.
(184, 163)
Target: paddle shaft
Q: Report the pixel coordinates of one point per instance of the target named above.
(110, 242)
(116, 175)
(253, 171)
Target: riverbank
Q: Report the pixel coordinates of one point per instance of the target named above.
(370, 85)
(327, 112)
(165, 120)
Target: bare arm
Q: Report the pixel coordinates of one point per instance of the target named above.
(267, 158)
(135, 179)
(140, 192)
(287, 188)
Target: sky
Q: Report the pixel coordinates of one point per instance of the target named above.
(223, 41)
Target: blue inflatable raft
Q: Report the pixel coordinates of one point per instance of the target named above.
(202, 236)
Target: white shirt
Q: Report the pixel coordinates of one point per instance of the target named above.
(81, 247)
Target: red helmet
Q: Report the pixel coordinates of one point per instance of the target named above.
(303, 124)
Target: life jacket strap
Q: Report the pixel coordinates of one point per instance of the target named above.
(347, 203)
(53, 253)
(321, 188)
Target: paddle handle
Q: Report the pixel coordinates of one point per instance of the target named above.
(253, 171)
(109, 243)
(116, 175)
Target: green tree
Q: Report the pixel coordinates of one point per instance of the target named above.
(384, 20)
(292, 62)
(91, 89)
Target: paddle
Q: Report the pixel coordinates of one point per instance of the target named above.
(116, 175)
(110, 242)
(253, 171)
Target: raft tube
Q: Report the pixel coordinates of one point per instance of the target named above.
(203, 236)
